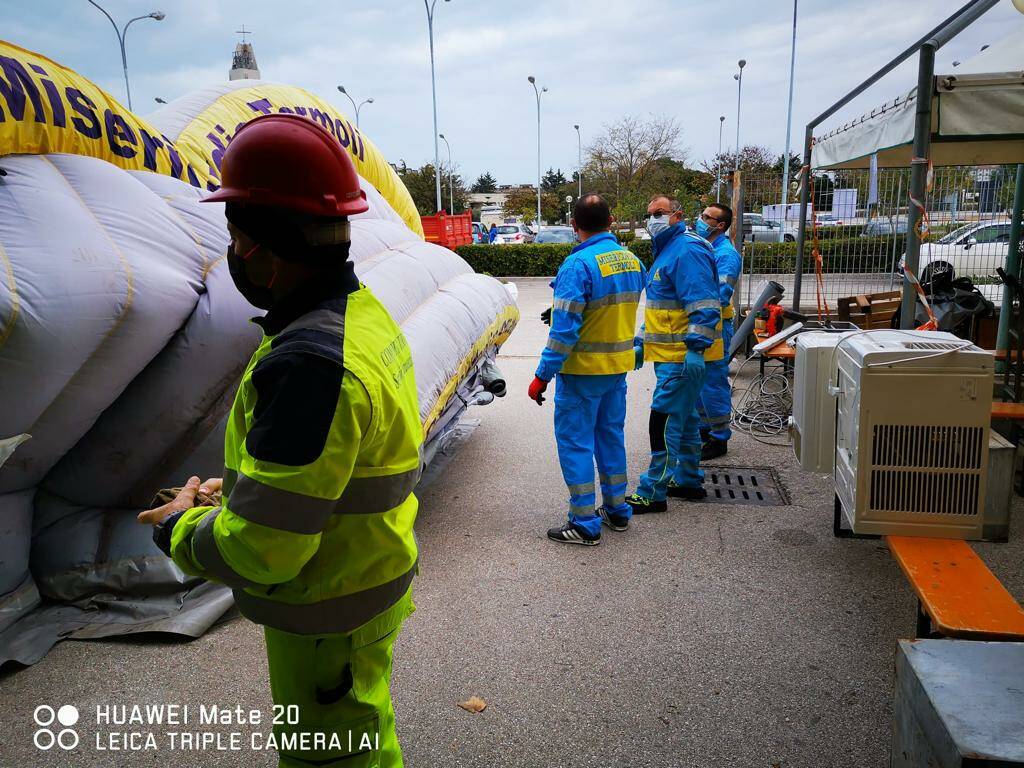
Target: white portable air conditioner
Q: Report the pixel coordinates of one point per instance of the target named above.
(912, 434)
(813, 428)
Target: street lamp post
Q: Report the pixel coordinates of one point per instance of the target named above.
(789, 124)
(739, 93)
(356, 107)
(718, 163)
(451, 186)
(156, 15)
(579, 158)
(429, 5)
(533, 82)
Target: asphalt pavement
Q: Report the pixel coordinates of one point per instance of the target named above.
(711, 635)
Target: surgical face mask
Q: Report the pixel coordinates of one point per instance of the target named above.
(703, 228)
(656, 225)
(257, 295)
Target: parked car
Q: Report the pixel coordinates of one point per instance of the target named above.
(556, 235)
(971, 250)
(882, 226)
(756, 228)
(479, 232)
(512, 234)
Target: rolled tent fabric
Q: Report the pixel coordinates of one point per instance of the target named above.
(122, 337)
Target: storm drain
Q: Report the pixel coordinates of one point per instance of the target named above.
(744, 485)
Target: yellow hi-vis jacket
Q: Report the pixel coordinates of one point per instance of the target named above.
(593, 318)
(321, 455)
(682, 309)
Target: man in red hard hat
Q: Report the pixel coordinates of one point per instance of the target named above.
(322, 451)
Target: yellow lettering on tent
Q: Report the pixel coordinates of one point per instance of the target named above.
(46, 107)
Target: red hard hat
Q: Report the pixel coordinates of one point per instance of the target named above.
(286, 161)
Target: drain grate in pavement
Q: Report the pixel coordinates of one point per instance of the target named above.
(744, 485)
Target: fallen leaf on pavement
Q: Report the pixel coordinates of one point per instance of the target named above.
(473, 704)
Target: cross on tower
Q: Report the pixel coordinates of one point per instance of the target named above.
(243, 32)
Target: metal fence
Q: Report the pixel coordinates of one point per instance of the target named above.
(860, 229)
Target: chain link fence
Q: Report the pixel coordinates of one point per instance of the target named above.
(860, 230)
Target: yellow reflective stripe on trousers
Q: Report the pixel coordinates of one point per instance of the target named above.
(334, 615)
(284, 510)
(204, 548)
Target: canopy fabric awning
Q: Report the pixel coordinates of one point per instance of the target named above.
(977, 118)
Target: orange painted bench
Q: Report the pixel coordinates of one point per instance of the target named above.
(1012, 411)
(958, 596)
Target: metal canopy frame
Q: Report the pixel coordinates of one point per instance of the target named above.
(925, 47)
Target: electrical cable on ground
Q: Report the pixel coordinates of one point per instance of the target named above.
(764, 406)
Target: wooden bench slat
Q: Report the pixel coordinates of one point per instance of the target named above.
(961, 595)
(1007, 410)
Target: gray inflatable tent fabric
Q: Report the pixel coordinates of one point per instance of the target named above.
(122, 339)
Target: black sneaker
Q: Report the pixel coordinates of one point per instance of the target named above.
(642, 506)
(570, 534)
(615, 522)
(714, 448)
(685, 492)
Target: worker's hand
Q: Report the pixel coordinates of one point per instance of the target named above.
(184, 500)
(545, 316)
(638, 357)
(211, 486)
(536, 391)
(693, 363)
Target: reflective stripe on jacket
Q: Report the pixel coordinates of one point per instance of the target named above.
(593, 318)
(322, 452)
(729, 265)
(683, 309)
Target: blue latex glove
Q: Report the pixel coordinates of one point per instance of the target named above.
(638, 352)
(693, 363)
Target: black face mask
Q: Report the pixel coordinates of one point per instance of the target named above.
(257, 295)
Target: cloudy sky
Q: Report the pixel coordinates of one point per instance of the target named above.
(599, 59)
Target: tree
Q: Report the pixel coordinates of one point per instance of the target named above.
(485, 183)
(521, 203)
(753, 159)
(552, 180)
(626, 162)
(421, 185)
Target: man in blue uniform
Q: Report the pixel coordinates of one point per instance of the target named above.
(715, 405)
(682, 320)
(590, 349)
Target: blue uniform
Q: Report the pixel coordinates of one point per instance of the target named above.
(715, 406)
(682, 315)
(589, 350)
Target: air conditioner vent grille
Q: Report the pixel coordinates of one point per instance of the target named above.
(932, 345)
(936, 447)
(926, 469)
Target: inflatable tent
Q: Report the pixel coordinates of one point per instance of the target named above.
(122, 337)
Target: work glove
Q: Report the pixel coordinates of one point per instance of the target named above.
(693, 363)
(545, 316)
(638, 353)
(536, 391)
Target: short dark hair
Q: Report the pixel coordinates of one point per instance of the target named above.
(726, 213)
(591, 213)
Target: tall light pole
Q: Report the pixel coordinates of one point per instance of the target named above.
(451, 186)
(739, 93)
(579, 158)
(789, 124)
(429, 5)
(718, 163)
(533, 82)
(156, 15)
(356, 107)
